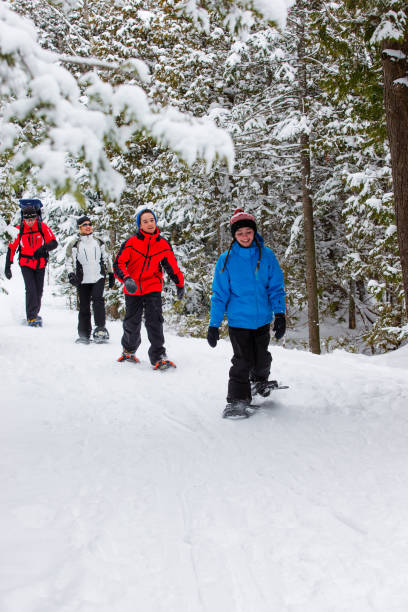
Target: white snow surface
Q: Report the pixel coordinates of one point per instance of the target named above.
(123, 489)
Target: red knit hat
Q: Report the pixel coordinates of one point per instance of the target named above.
(241, 219)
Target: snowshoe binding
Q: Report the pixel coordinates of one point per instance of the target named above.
(236, 409)
(128, 356)
(83, 340)
(36, 322)
(264, 387)
(163, 364)
(100, 335)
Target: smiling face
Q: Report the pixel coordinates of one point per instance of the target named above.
(148, 223)
(244, 236)
(86, 228)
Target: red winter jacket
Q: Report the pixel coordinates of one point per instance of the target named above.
(142, 257)
(30, 239)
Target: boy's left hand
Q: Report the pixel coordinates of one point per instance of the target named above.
(279, 326)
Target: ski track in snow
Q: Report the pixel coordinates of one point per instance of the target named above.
(123, 489)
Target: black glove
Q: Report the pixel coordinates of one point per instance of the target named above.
(111, 280)
(73, 279)
(279, 326)
(180, 292)
(42, 251)
(7, 271)
(213, 335)
(130, 285)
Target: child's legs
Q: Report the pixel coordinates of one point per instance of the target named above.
(239, 386)
(262, 359)
(132, 322)
(154, 325)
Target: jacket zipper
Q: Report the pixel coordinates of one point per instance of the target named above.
(144, 263)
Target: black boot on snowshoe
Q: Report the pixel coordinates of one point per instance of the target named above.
(163, 364)
(100, 335)
(128, 356)
(237, 409)
(83, 340)
(263, 387)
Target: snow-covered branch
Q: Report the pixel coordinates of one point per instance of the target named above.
(84, 119)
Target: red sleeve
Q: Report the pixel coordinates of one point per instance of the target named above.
(48, 235)
(170, 265)
(120, 264)
(13, 245)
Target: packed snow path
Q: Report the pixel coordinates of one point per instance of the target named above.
(123, 489)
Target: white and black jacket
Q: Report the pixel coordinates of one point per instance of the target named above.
(88, 259)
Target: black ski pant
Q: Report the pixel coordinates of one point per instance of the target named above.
(251, 360)
(151, 305)
(87, 293)
(34, 285)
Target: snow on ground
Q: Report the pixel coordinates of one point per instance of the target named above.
(123, 489)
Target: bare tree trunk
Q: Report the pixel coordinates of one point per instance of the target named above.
(352, 305)
(310, 250)
(395, 66)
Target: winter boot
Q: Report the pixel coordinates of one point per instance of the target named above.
(263, 387)
(83, 340)
(128, 356)
(163, 364)
(237, 409)
(100, 335)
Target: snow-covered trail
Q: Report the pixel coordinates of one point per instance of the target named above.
(123, 489)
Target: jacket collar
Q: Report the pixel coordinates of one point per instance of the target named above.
(143, 235)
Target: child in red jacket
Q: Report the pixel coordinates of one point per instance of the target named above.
(34, 240)
(138, 266)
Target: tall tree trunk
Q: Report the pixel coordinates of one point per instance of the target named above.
(310, 250)
(352, 304)
(395, 66)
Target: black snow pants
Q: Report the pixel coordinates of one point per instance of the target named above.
(151, 305)
(87, 293)
(251, 360)
(34, 285)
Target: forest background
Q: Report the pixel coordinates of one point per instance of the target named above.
(302, 100)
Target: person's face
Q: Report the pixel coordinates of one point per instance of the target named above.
(30, 221)
(244, 236)
(147, 223)
(85, 228)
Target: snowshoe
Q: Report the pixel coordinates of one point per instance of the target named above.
(100, 335)
(83, 340)
(127, 356)
(163, 364)
(237, 409)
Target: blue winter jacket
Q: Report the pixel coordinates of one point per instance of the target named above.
(248, 297)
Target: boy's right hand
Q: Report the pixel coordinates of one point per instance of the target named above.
(213, 335)
(7, 272)
(130, 285)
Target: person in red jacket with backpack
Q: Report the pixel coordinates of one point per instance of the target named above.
(34, 241)
(139, 265)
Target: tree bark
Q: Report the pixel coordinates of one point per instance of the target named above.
(310, 249)
(395, 66)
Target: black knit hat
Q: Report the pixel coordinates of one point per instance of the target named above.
(82, 220)
(241, 219)
(29, 211)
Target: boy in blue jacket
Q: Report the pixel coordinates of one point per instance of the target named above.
(248, 287)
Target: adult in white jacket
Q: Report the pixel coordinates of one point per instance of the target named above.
(88, 263)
